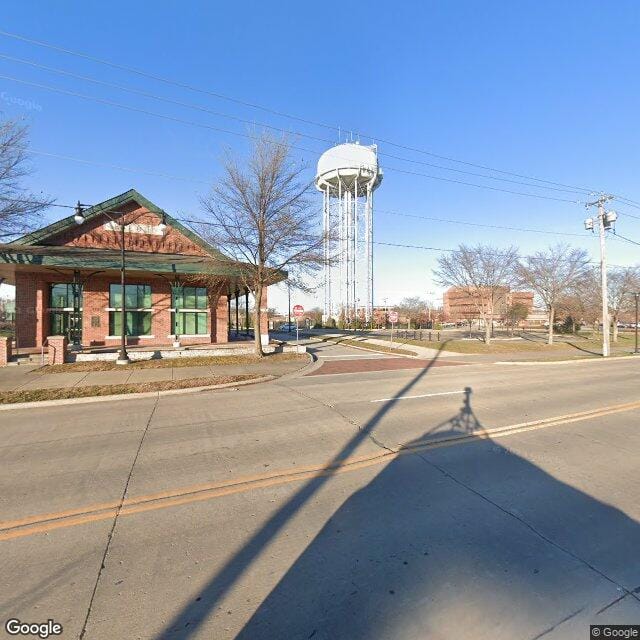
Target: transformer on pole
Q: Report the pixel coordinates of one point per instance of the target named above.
(347, 176)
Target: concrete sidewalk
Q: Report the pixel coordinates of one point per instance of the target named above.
(25, 377)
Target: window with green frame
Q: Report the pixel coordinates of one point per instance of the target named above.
(137, 298)
(137, 323)
(185, 320)
(189, 298)
(61, 296)
(189, 323)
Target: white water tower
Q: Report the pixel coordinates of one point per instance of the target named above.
(347, 175)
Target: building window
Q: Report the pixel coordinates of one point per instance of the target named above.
(137, 299)
(62, 317)
(61, 296)
(186, 319)
(189, 298)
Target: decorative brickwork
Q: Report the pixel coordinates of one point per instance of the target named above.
(139, 236)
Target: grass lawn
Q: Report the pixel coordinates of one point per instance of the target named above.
(567, 344)
(33, 395)
(190, 361)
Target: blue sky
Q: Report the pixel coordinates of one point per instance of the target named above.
(544, 89)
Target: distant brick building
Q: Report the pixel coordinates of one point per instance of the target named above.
(67, 280)
(458, 304)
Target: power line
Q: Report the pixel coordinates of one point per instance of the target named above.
(202, 109)
(276, 112)
(251, 137)
(480, 224)
(175, 83)
(407, 215)
(617, 235)
(148, 172)
(378, 242)
(191, 222)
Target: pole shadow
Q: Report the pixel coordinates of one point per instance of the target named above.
(186, 623)
(468, 541)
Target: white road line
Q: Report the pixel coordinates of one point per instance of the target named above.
(424, 395)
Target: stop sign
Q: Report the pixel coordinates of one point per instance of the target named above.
(393, 317)
(298, 311)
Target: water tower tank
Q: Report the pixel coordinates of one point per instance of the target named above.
(346, 162)
(347, 175)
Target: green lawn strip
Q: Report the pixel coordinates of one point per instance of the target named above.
(187, 361)
(571, 346)
(33, 395)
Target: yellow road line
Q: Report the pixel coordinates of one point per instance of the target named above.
(42, 523)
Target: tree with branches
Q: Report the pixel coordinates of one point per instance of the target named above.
(414, 309)
(20, 210)
(482, 273)
(259, 217)
(553, 274)
(622, 282)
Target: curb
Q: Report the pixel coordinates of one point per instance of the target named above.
(527, 363)
(310, 366)
(37, 404)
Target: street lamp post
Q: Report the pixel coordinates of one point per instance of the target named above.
(123, 356)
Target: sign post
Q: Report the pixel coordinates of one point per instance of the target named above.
(298, 312)
(393, 318)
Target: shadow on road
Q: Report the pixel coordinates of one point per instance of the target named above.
(464, 541)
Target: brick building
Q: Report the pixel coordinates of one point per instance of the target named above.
(67, 280)
(459, 305)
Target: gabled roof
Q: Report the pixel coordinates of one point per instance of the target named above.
(41, 236)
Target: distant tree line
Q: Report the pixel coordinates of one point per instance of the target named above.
(563, 279)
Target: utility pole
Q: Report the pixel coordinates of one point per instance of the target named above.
(636, 295)
(605, 222)
(289, 313)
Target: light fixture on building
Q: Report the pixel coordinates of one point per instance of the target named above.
(79, 215)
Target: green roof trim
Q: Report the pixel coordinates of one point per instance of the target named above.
(50, 231)
(12, 255)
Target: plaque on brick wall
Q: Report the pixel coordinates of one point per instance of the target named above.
(95, 321)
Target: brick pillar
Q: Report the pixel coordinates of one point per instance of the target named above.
(220, 321)
(57, 349)
(5, 350)
(264, 319)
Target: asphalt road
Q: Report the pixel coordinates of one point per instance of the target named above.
(471, 501)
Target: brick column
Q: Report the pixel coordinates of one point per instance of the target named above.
(5, 350)
(57, 349)
(220, 322)
(264, 319)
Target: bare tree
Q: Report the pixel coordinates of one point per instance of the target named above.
(260, 219)
(515, 313)
(552, 274)
(621, 284)
(414, 308)
(483, 273)
(20, 209)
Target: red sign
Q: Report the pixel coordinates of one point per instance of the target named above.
(393, 317)
(298, 311)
